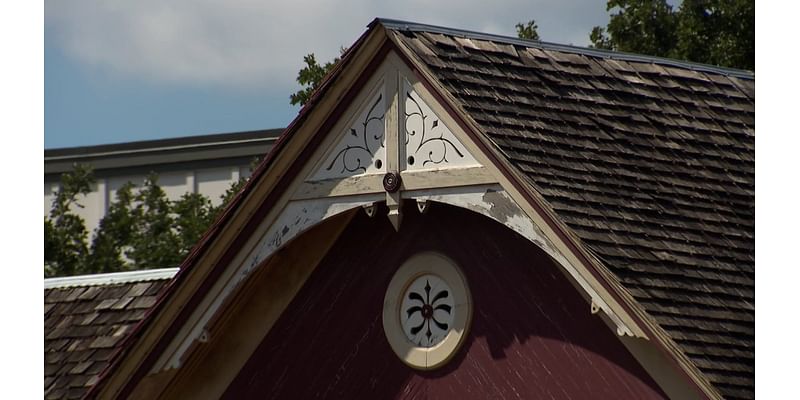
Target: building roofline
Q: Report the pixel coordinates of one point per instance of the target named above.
(110, 278)
(399, 25)
(186, 142)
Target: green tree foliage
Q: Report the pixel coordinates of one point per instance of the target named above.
(193, 215)
(154, 243)
(114, 235)
(311, 76)
(718, 32)
(142, 228)
(528, 30)
(639, 26)
(65, 245)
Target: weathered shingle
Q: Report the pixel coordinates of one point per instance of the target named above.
(84, 326)
(650, 162)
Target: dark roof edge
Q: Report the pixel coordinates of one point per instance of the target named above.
(399, 25)
(269, 135)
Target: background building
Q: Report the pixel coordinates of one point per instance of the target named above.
(206, 164)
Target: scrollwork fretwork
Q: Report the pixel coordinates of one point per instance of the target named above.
(437, 146)
(351, 154)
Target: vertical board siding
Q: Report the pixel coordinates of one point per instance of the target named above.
(532, 335)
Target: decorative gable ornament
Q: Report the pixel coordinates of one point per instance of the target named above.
(427, 311)
(391, 132)
(428, 142)
(362, 147)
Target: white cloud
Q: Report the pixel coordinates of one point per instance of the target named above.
(257, 44)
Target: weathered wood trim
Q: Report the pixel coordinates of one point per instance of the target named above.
(143, 353)
(294, 219)
(289, 363)
(245, 320)
(340, 187)
(447, 178)
(228, 281)
(412, 180)
(393, 126)
(655, 362)
(493, 202)
(621, 303)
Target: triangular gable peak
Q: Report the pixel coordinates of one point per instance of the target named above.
(390, 141)
(381, 150)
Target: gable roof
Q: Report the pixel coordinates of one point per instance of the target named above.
(87, 319)
(649, 161)
(577, 126)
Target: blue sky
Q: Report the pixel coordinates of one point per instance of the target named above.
(146, 69)
(86, 107)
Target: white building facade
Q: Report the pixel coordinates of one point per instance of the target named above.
(206, 164)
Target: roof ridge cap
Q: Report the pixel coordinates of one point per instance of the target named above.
(400, 25)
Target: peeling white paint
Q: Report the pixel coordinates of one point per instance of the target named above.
(296, 218)
(494, 202)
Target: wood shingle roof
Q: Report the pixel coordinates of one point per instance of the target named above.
(649, 161)
(86, 324)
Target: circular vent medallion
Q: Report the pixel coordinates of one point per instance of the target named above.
(427, 310)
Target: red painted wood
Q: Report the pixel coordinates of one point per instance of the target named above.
(532, 335)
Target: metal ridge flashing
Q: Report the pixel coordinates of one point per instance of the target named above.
(110, 278)
(401, 26)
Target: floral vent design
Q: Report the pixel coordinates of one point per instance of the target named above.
(427, 311)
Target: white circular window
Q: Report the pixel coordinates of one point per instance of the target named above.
(427, 310)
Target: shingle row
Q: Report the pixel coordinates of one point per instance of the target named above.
(85, 326)
(652, 166)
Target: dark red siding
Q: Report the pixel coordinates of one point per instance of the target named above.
(532, 335)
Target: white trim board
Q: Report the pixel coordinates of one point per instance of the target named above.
(110, 278)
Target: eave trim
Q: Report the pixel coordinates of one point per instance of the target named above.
(110, 278)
